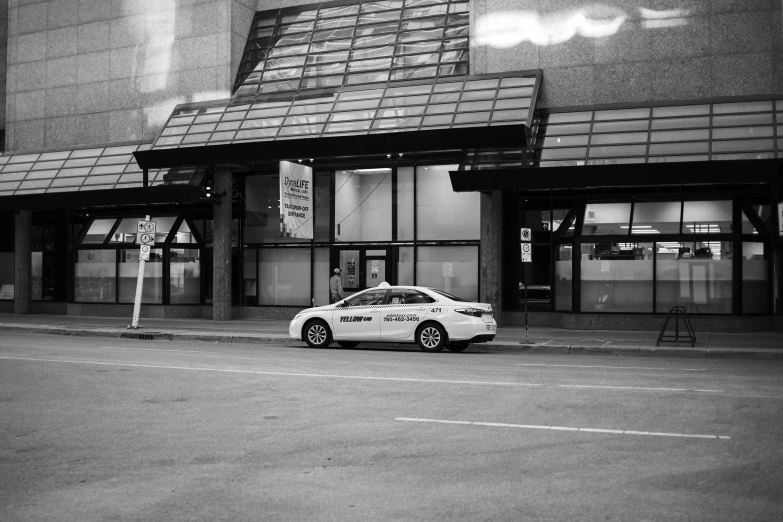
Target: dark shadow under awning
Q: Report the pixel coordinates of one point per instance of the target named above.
(163, 194)
(631, 175)
(500, 136)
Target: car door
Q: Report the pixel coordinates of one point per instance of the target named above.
(358, 317)
(406, 308)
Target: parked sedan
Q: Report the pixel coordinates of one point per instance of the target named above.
(431, 318)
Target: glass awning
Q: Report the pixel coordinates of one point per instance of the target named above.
(737, 130)
(444, 103)
(96, 168)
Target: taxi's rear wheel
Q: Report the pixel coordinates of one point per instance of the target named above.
(348, 344)
(431, 337)
(317, 334)
(458, 346)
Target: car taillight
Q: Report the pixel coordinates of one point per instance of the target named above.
(473, 312)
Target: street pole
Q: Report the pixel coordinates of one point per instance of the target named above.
(524, 279)
(139, 286)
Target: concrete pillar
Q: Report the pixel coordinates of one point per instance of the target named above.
(23, 261)
(221, 247)
(490, 262)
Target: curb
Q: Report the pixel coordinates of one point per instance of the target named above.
(490, 347)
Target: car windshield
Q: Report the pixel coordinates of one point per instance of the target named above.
(450, 296)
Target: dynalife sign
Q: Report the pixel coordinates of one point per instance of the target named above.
(296, 200)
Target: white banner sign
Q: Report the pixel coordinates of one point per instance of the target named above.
(296, 200)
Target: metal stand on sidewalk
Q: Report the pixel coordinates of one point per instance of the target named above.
(689, 336)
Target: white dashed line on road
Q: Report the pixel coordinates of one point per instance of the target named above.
(566, 428)
(352, 377)
(613, 367)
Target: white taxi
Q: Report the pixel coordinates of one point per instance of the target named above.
(431, 318)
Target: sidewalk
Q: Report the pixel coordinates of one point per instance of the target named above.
(759, 345)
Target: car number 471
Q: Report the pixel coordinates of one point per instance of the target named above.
(436, 310)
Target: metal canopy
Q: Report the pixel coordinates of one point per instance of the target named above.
(164, 194)
(644, 174)
(392, 143)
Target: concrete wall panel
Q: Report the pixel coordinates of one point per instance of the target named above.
(121, 59)
(632, 51)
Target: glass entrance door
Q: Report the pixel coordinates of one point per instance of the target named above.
(362, 268)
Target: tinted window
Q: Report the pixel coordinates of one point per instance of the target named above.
(409, 297)
(371, 297)
(450, 296)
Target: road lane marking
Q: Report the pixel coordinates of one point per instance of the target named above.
(567, 428)
(615, 367)
(632, 388)
(337, 376)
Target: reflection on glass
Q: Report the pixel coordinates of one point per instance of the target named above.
(606, 219)
(657, 218)
(321, 274)
(363, 203)
(564, 279)
(453, 269)
(152, 292)
(617, 277)
(405, 266)
(98, 230)
(95, 276)
(184, 276)
(249, 277)
(405, 203)
(755, 278)
(706, 217)
(284, 276)
(442, 213)
(694, 274)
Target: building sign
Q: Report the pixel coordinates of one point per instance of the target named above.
(296, 200)
(526, 236)
(6, 292)
(527, 256)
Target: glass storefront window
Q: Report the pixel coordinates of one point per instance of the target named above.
(657, 218)
(441, 213)
(152, 291)
(37, 276)
(184, 276)
(98, 230)
(606, 219)
(184, 234)
(362, 205)
(94, 276)
(126, 231)
(6, 276)
(453, 269)
(755, 279)
(249, 277)
(323, 206)
(262, 212)
(284, 276)
(405, 203)
(617, 277)
(694, 274)
(321, 274)
(405, 266)
(706, 217)
(564, 279)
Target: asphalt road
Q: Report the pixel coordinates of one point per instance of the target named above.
(114, 429)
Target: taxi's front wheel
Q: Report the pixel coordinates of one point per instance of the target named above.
(431, 337)
(317, 334)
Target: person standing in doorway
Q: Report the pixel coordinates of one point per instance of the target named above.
(335, 287)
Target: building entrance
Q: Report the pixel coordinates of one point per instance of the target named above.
(362, 268)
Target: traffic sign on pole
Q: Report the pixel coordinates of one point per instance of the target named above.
(145, 236)
(526, 235)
